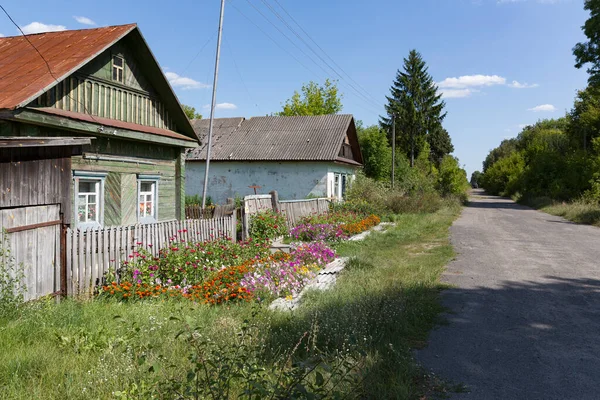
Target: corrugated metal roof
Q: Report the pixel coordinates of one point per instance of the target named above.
(221, 126)
(301, 138)
(23, 73)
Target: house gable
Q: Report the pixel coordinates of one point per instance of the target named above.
(92, 90)
(350, 148)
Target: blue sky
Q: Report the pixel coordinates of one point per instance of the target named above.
(502, 63)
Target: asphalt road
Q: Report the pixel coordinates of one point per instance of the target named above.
(525, 310)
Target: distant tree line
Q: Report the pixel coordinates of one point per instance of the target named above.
(557, 158)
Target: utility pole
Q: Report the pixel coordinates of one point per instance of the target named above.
(212, 105)
(393, 150)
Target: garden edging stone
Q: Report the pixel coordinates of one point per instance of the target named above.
(327, 277)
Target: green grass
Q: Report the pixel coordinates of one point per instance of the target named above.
(383, 305)
(580, 211)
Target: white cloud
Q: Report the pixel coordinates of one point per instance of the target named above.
(1, 35)
(38, 27)
(543, 108)
(523, 126)
(457, 93)
(84, 20)
(467, 81)
(519, 85)
(223, 106)
(184, 82)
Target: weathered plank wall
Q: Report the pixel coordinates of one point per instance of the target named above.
(34, 241)
(295, 210)
(35, 176)
(93, 252)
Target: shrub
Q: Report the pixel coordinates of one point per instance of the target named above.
(12, 276)
(420, 202)
(267, 225)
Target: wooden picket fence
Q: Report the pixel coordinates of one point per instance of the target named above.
(91, 253)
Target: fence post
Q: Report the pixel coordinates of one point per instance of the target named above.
(245, 233)
(275, 201)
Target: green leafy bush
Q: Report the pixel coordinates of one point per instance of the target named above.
(12, 276)
(267, 225)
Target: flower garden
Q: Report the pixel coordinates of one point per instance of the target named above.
(223, 271)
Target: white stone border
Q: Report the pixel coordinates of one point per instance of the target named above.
(326, 277)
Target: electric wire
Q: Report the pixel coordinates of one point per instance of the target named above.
(240, 75)
(365, 100)
(48, 65)
(324, 52)
(358, 92)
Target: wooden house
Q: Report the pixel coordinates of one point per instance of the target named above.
(299, 157)
(103, 84)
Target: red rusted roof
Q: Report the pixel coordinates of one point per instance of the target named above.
(113, 123)
(23, 73)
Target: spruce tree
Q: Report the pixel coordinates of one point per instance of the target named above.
(416, 104)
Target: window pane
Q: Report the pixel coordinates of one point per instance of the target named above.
(81, 212)
(142, 209)
(118, 61)
(149, 197)
(87, 187)
(92, 199)
(146, 186)
(148, 209)
(115, 74)
(120, 78)
(92, 212)
(141, 198)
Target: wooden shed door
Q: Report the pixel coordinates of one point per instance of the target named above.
(34, 238)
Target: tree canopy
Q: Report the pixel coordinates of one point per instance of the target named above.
(418, 108)
(589, 52)
(191, 112)
(315, 99)
(376, 151)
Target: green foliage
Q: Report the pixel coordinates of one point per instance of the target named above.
(584, 120)
(547, 159)
(190, 112)
(12, 279)
(376, 152)
(589, 52)
(315, 100)
(418, 108)
(452, 179)
(503, 176)
(440, 145)
(194, 200)
(267, 225)
(476, 179)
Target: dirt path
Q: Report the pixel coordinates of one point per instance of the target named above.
(525, 320)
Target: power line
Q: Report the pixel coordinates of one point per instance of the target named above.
(359, 93)
(324, 52)
(273, 40)
(240, 75)
(199, 51)
(47, 64)
(366, 100)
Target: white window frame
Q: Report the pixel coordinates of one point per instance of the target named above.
(118, 68)
(98, 179)
(153, 179)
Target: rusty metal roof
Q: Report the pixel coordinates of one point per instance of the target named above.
(300, 138)
(24, 75)
(114, 123)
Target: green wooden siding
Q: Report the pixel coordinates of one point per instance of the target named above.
(91, 90)
(120, 185)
